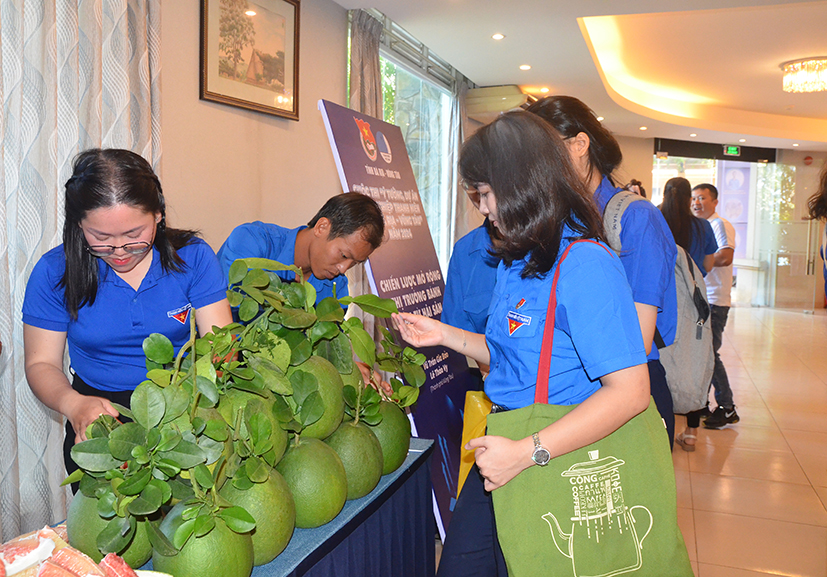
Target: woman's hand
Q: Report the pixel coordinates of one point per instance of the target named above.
(418, 330)
(371, 378)
(82, 411)
(499, 459)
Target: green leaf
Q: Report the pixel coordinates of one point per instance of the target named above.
(257, 278)
(106, 503)
(268, 264)
(211, 449)
(234, 297)
(158, 349)
(136, 483)
(148, 405)
(248, 309)
(303, 383)
(349, 393)
(124, 411)
(281, 410)
(160, 377)
(323, 330)
(242, 483)
(257, 470)
(301, 352)
(125, 438)
(205, 368)
(208, 389)
(169, 439)
(330, 309)
(373, 305)
(183, 533)
(93, 455)
(258, 425)
(312, 409)
(237, 519)
(296, 318)
(245, 373)
(414, 374)
(216, 430)
(116, 535)
(167, 467)
(149, 501)
(159, 541)
(363, 344)
(238, 270)
(153, 437)
(203, 477)
(185, 455)
(75, 477)
(176, 401)
(203, 525)
(372, 420)
(273, 376)
(338, 351)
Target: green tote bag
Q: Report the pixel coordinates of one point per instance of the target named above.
(606, 509)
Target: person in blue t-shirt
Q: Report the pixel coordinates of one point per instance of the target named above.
(345, 231)
(648, 250)
(534, 198)
(119, 276)
(694, 234)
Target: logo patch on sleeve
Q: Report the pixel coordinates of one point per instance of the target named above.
(516, 320)
(181, 314)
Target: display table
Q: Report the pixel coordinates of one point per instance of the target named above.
(389, 532)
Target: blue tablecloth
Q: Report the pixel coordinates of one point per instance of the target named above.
(389, 532)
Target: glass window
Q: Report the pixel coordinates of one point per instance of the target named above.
(422, 110)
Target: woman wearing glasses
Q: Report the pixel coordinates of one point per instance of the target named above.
(119, 276)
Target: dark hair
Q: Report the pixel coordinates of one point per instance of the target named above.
(569, 117)
(352, 212)
(706, 186)
(818, 202)
(677, 198)
(536, 188)
(104, 178)
(639, 186)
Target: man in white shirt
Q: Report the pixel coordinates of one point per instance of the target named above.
(718, 291)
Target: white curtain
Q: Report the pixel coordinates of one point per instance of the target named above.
(75, 75)
(365, 97)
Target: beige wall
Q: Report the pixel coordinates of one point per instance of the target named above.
(637, 161)
(222, 165)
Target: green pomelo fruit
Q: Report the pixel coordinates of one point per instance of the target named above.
(330, 389)
(234, 400)
(317, 479)
(219, 552)
(271, 505)
(394, 434)
(361, 455)
(83, 524)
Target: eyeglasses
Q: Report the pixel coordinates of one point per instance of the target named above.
(101, 250)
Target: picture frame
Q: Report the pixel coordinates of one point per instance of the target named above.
(250, 55)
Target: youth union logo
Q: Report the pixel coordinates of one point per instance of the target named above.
(181, 315)
(366, 136)
(384, 147)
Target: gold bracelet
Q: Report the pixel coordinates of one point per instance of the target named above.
(464, 342)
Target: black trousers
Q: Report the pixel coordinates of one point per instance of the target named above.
(663, 397)
(120, 397)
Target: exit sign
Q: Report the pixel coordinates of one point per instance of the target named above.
(732, 150)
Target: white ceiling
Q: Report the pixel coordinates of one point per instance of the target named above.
(712, 70)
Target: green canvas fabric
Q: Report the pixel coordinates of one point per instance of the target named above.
(606, 509)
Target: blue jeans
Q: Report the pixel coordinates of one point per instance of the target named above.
(723, 392)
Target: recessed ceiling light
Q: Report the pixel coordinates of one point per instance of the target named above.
(250, 12)
(644, 128)
(600, 119)
(795, 144)
(525, 67)
(742, 140)
(693, 135)
(544, 89)
(498, 36)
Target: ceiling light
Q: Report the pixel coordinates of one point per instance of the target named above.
(544, 89)
(805, 75)
(742, 140)
(600, 119)
(644, 128)
(250, 12)
(498, 36)
(693, 135)
(795, 144)
(525, 67)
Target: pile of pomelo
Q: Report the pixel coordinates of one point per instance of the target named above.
(245, 433)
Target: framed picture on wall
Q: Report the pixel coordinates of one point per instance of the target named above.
(250, 54)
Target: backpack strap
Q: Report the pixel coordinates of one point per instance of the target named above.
(612, 215)
(541, 388)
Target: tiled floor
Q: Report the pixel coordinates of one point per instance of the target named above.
(752, 499)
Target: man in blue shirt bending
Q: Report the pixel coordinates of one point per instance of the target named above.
(345, 231)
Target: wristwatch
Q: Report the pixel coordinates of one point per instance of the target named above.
(541, 456)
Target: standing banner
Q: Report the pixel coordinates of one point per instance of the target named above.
(372, 159)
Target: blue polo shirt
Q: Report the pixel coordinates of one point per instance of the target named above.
(263, 240)
(703, 244)
(596, 330)
(648, 257)
(106, 340)
(472, 273)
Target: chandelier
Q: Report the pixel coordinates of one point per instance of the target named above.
(805, 75)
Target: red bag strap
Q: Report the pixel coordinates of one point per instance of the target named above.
(541, 388)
